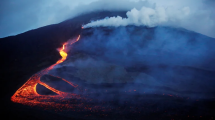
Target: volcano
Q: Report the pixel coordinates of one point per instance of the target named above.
(64, 71)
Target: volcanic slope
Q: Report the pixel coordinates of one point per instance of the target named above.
(30, 52)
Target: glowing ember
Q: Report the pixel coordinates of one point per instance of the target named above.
(28, 95)
(78, 38)
(63, 54)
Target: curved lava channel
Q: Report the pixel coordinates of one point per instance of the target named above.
(28, 95)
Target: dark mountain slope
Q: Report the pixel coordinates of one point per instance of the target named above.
(27, 53)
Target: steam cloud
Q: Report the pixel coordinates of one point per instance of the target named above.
(145, 16)
(161, 16)
(23, 15)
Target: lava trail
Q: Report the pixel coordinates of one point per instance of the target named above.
(28, 95)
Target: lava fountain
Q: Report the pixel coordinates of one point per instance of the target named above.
(28, 95)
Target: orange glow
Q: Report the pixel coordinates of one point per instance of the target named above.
(63, 54)
(27, 94)
(78, 38)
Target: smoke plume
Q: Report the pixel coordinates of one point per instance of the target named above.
(145, 16)
(196, 19)
(20, 16)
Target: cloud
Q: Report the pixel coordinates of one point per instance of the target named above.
(19, 16)
(197, 18)
(145, 16)
(23, 15)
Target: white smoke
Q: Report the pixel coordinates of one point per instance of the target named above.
(23, 15)
(145, 16)
(194, 18)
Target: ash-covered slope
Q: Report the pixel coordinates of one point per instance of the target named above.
(178, 60)
(143, 45)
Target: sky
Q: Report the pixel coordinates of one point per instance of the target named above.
(20, 16)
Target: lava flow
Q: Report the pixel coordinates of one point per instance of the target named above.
(28, 95)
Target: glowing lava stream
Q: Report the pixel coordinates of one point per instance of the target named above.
(28, 95)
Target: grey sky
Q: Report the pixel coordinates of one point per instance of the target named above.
(18, 16)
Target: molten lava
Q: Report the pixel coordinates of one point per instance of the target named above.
(78, 38)
(62, 53)
(28, 95)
